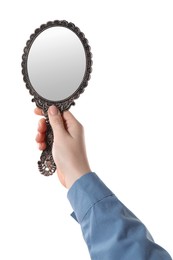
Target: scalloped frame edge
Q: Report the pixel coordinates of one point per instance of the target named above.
(66, 103)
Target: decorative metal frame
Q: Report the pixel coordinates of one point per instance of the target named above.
(66, 103)
(46, 164)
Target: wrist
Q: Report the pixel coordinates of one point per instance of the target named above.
(73, 177)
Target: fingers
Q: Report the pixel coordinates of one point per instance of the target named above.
(40, 138)
(56, 121)
(42, 127)
(42, 146)
(38, 111)
(41, 135)
(67, 117)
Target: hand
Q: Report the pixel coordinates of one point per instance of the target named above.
(68, 149)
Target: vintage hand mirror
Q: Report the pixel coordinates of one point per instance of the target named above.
(56, 67)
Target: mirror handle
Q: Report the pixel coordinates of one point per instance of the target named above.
(46, 165)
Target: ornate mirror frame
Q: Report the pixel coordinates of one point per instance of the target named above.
(66, 103)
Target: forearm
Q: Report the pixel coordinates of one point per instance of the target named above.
(110, 230)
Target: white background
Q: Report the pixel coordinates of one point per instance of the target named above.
(126, 111)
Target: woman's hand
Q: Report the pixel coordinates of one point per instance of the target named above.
(68, 149)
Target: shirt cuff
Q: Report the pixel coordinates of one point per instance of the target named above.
(86, 192)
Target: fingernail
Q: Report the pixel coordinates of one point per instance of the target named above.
(53, 110)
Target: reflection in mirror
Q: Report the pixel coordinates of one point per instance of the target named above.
(56, 67)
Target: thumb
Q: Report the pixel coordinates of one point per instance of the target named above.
(56, 120)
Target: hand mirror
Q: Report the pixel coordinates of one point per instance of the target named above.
(56, 67)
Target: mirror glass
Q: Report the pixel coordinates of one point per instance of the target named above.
(56, 63)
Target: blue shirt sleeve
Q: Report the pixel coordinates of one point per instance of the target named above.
(110, 230)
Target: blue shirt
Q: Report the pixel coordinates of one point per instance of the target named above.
(110, 230)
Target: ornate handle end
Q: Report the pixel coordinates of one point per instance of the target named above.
(46, 164)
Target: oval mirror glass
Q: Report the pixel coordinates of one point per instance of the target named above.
(56, 63)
